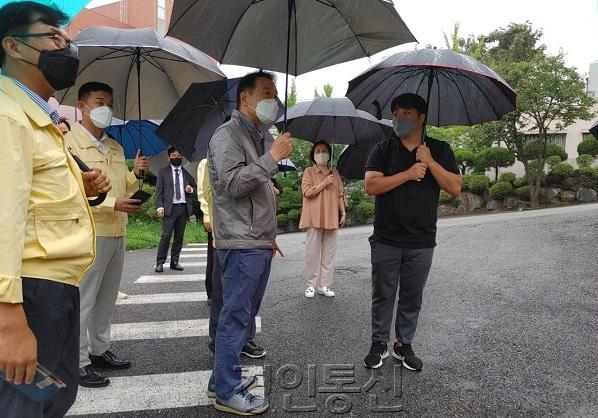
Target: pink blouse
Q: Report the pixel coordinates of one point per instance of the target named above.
(322, 210)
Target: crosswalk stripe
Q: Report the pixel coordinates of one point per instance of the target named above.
(163, 298)
(151, 392)
(171, 278)
(166, 329)
(191, 256)
(195, 250)
(194, 264)
(197, 245)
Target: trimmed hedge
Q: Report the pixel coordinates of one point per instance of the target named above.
(500, 190)
(476, 183)
(508, 177)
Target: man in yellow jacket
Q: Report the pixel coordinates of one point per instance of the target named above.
(46, 224)
(99, 289)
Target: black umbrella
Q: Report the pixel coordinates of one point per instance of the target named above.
(351, 162)
(594, 130)
(193, 120)
(334, 119)
(290, 36)
(286, 165)
(459, 89)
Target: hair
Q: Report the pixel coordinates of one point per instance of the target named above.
(313, 149)
(409, 101)
(65, 121)
(171, 150)
(247, 83)
(16, 17)
(86, 89)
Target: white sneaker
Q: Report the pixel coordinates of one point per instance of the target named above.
(325, 291)
(122, 295)
(310, 292)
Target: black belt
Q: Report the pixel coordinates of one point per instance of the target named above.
(179, 204)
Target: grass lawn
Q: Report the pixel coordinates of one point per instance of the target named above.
(146, 234)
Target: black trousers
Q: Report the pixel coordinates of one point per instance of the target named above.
(52, 311)
(175, 222)
(209, 265)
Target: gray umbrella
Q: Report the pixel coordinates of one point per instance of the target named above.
(335, 120)
(459, 89)
(290, 36)
(148, 72)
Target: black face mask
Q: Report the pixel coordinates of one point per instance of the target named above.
(176, 161)
(59, 66)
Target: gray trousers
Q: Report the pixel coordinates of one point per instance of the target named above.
(98, 291)
(217, 303)
(407, 270)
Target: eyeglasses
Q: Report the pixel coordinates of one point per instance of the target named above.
(59, 40)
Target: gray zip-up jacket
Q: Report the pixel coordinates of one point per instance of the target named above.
(240, 173)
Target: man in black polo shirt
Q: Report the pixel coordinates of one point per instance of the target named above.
(406, 175)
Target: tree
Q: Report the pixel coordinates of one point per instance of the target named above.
(328, 90)
(465, 159)
(495, 157)
(292, 99)
(455, 42)
(588, 146)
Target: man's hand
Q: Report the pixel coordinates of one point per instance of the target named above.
(423, 155)
(188, 189)
(417, 171)
(18, 346)
(140, 163)
(96, 182)
(160, 212)
(282, 147)
(124, 204)
(207, 226)
(277, 249)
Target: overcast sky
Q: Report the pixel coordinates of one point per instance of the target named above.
(571, 26)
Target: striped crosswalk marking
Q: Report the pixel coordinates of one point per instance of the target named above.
(163, 298)
(166, 329)
(175, 278)
(147, 392)
(191, 256)
(195, 250)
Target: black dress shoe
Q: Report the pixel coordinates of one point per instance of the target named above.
(159, 268)
(109, 361)
(90, 379)
(176, 266)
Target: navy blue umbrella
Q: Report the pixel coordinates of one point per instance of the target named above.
(203, 108)
(127, 136)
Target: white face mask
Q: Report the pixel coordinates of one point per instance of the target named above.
(322, 158)
(266, 111)
(101, 116)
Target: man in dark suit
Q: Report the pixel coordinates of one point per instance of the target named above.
(175, 188)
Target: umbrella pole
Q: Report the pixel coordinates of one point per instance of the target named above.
(290, 4)
(431, 75)
(138, 58)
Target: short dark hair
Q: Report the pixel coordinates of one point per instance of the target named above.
(65, 121)
(16, 17)
(247, 83)
(86, 89)
(313, 149)
(172, 149)
(409, 101)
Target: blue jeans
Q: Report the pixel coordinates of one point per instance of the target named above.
(244, 278)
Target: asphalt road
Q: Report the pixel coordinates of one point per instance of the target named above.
(508, 328)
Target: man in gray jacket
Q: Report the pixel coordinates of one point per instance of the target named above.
(244, 231)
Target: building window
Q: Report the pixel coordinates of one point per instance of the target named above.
(557, 139)
(161, 21)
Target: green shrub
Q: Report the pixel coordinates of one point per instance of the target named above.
(588, 177)
(553, 160)
(570, 183)
(563, 170)
(508, 177)
(364, 211)
(294, 214)
(282, 219)
(588, 146)
(532, 150)
(447, 199)
(521, 181)
(475, 183)
(584, 160)
(523, 192)
(501, 190)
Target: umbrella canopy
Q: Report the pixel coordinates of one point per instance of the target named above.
(459, 89)
(351, 162)
(127, 136)
(69, 7)
(286, 165)
(335, 120)
(312, 33)
(149, 73)
(594, 130)
(203, 108)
